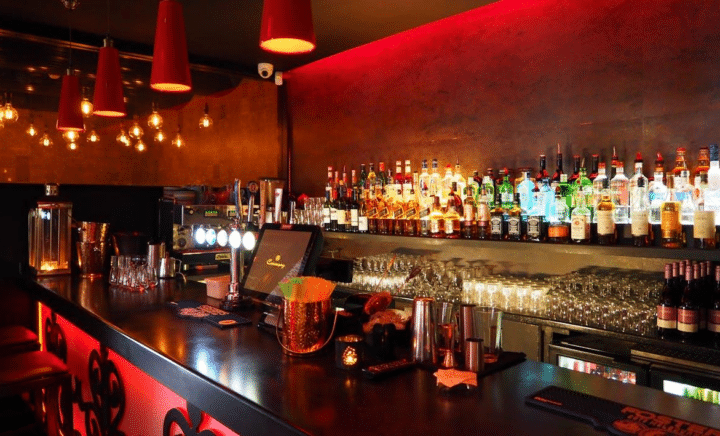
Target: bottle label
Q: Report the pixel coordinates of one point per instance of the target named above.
(333, 214)
(533, 227)
(688, 320)
(412, 213)
(398, 213)
(363, 223)
(468, 212)
(384, 213)
(639, 223)
(559, 231)
(483, 213)
(326, 215)
(354, 218)
(670, 224)
(580, 228)
(666, 317)
(713, 321)
(704, 224)
(341, 217)
(605, 223)
(449, 227)
(434, 226)
(496, 225)
(514, 226)
(506, 197)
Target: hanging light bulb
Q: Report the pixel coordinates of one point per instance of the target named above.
(140, 146)
(86, 106)
(31, 131)
(72, 146)
(71, 136)
(160, 136)
(93, 137)
(155, 120)
(136, 132)
(45, 140)
(178, 141)
(287, 26)
(9, 113)
(205, 120)
(170, 66)
(123, 138)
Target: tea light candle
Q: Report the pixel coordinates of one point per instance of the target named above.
(349, 352)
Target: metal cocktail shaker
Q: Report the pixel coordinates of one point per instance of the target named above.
(423, 331)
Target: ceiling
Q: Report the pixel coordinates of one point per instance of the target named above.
(222, 38)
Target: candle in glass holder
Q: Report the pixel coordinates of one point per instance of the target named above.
(349, 352)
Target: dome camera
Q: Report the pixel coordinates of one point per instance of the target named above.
(265, 70)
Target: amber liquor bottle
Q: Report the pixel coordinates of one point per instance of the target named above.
(483, 215)
(688, 310)
(514, 221)
(667, 307)
(468, 223)
(606, 234)
(451, 218)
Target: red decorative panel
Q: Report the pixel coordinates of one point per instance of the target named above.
(501, 84)
(106, 385)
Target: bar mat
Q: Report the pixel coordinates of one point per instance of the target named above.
(212, 315)
(615, 418)
(505, 360)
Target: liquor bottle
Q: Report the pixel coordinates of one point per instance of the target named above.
(712, 193)
(362, 213)
(524, 189)
(548, 198)
(555, 179)
(497, 220)
(447, 181)
(472, 189)
(613, 163)
(594, 165)
(684, 194)
(424, 203)
(451, 218)
(688, 322)
(327, 207)
(434, 183)
(576, 170)
(353, 211)
(371, 177)
(584, 187)
(501, 177)
(399, 209)
(341, 210)
(597, 188)
(657, 191)
(621, 198)
(459, 179)
(353, 180)
(424, 179)
(483, 215)
(535, 231)
(383, 210)
(408, 181)
(702, 165)
(667, 307)
(671, 233)
(514, 221)
(412, 211)
(637, 175)
(605, 211)
(680, 161)
(468, 223)
(436, 219)
(580, 222)
(362, 178)
(382, 175)
(703, 224)
(489, 184)
(371, 210)
(558, 228)
(713, 319)
(639, 215)
(506, 193)
(542, 172)
(398, 178)
(334, 211)
(567, 191)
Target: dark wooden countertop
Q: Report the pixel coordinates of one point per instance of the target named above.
(241, 377)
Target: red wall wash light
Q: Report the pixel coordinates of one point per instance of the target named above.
(287, 27)
(108, 100)
(70, 117)
(170, 66)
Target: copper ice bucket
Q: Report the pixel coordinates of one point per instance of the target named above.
(306, 327)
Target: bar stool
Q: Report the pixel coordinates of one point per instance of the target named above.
(30, 372)
(17, 339)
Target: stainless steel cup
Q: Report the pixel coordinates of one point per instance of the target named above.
(423, 331)
(169, 267)
(155, 253)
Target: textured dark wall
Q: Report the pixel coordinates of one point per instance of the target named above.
(501, 84)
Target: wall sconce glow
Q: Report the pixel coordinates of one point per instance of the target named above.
(123, 138)
(93, 137)
(140, 146)
(205, 120)
(155, 121)
(86, 107)
(45, 140)
(160, 136)
(136, 132)
(71, 135)
(248, 240)
(32, 131)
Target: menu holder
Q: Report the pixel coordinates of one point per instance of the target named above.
(192, 309)
(615, 418)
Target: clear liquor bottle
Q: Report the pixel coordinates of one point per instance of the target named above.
(535, 229)
(524, 189)
(447, 182)
(657, 193)
(606, 232)
(621, 196)
(704, 233)
(667, 307)
(580, 219)
(640, 215)
(597, 188)
(436, 219)
(685, 196)
(548, 195)
(489, 184)
(637, 175)
(558, 227)
(459, 180)
(424, 179)
(435, 182)
(514, 220)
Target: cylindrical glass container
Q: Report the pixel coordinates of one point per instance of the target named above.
(49, 226)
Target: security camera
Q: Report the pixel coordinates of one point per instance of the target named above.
(265, 70)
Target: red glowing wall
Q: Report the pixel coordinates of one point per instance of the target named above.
(498, 85)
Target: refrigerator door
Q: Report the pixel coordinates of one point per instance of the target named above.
(603, 365)
(685, 382)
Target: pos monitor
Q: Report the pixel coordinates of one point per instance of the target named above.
(282, 251)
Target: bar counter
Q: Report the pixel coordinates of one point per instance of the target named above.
(241, 378)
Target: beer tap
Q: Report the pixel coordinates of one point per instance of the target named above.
(233, 300)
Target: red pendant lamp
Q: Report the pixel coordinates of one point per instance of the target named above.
(108, 100)
(287, 27)
(170, 66)
(70, 117)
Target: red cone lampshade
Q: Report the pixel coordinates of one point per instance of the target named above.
(108, 100)
(170, 66)
(70, 115)
(287, 26)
